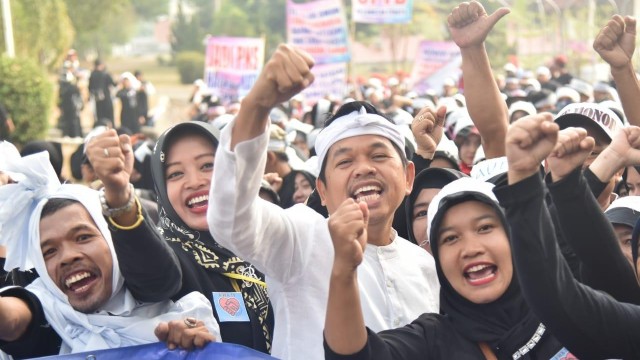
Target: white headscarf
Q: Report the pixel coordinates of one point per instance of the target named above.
(355, 124)
(122, 321)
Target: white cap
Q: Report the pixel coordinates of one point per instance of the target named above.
(509, 67)
(543, 71)
(522, 106)
(583, 87)
(567, 92)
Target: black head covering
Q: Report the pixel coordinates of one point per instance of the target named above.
(54, 150)
(506, 324)
(634, 244)
(429, 178)
(207, 252)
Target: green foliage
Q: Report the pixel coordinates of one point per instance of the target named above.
(116, 27)
(99, 24)
(27, 95)
(190, 66)
(149, 9)
(187, 33)
(42, 30)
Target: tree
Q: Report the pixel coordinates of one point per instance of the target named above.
(187, 34)
(27, 95)
(116, 27)
(42, 30)
(150, 9)
(99, 24)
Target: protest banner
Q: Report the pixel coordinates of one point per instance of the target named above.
(435, 61)
(232, 66)
(382, 11)
(319, 28)
(330, 80)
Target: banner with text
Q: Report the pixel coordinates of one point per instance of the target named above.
(330, 80)
(435, 61)
(232, 66)
(382, 11)
(319, 28)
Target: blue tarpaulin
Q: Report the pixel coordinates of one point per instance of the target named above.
(218, 351)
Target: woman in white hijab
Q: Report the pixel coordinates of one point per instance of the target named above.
(61, 296)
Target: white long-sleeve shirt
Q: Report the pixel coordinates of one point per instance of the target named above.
(293, 248)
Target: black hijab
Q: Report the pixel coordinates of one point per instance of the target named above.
(506, 324)
(429, 178)
(206, 251)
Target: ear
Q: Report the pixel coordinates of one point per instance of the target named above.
(322, 191)
(410, 175)
(271, 158)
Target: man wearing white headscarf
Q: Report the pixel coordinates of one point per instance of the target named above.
(364, 176)
(80, 302)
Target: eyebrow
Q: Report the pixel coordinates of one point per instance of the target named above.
(374, 146)
(420, 205)
(196, 158)
(73, 230)
(476, 219)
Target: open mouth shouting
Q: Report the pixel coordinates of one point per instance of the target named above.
(478, 274)
(79, 282)
(368, 193)
(198, 202)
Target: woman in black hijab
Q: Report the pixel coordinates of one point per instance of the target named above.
(425, 186)
(182, 166)
(484, 315)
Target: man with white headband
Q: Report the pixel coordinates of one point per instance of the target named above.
(364, 176)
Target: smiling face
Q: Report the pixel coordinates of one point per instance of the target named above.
(366, 168)
(303, 189)
(188, 171)
(474, 252)
(77, 257)
(419, 216)
(468, 148)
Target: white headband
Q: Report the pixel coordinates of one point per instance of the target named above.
(355, 124)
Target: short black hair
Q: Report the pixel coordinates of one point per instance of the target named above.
(348, 108)
(54, 205)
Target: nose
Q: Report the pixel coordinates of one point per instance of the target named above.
(196, 180)
(70, 254)
(471, 248)
(365, 168)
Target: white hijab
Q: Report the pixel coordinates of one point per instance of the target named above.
(122, 321)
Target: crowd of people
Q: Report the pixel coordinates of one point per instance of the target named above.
(131, 89)
(494, 220)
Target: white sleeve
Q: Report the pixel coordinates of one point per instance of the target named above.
(269, 237)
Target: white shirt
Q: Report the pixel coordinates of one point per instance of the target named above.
(293, 248)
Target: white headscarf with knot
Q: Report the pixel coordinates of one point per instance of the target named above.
(122, 321)
(355, 124)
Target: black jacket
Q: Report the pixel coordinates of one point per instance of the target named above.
(591, 324)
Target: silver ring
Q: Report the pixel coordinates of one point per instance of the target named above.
(420, 118)
(106, 152)
(190, 322)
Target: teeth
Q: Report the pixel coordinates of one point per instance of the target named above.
(366, 188)
(75, 278)
(198, 199)
(367, 198)
(477, 268)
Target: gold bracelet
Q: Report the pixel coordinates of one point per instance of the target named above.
(135, 225)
